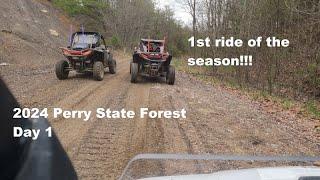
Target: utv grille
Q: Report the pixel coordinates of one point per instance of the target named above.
(154, 68)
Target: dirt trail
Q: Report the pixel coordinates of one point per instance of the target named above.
(218, 121)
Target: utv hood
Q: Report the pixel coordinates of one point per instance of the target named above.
(284, 173)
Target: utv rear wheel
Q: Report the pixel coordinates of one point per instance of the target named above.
(61, 71)
(134, 68)
(113, 67)
(171, 75)
(98, 71)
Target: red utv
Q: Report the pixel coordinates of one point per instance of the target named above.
(152, 60)
(87, 53)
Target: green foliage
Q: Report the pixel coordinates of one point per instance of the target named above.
(72, 7)
(76, 7)
(86, 12)
(287, 104)
(313, 75)
(177, 63)
(313, 108)
(174, 50)
(115, 41)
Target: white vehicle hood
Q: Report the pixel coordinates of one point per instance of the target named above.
(283, 173)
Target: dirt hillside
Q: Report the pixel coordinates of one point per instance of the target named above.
(30, 34)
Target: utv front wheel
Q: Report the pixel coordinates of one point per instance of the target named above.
(61, 71)
(113, 67)
(134, 68)
(98, 71)
(171, 75)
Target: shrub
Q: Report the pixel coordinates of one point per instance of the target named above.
(115, 41)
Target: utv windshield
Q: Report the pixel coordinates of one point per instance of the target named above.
(83, 41)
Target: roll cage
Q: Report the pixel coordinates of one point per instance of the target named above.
(152, 46)
(86, 40)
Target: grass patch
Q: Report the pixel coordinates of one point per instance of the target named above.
(287, 104)
(76, 7)
(313, 108)
(177, 63)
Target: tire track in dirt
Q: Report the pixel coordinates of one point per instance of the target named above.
(109, 144)
(89, 97)
(99, 143)
(134, 139)
(164, 136)
(189, 136)
(154, 140)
